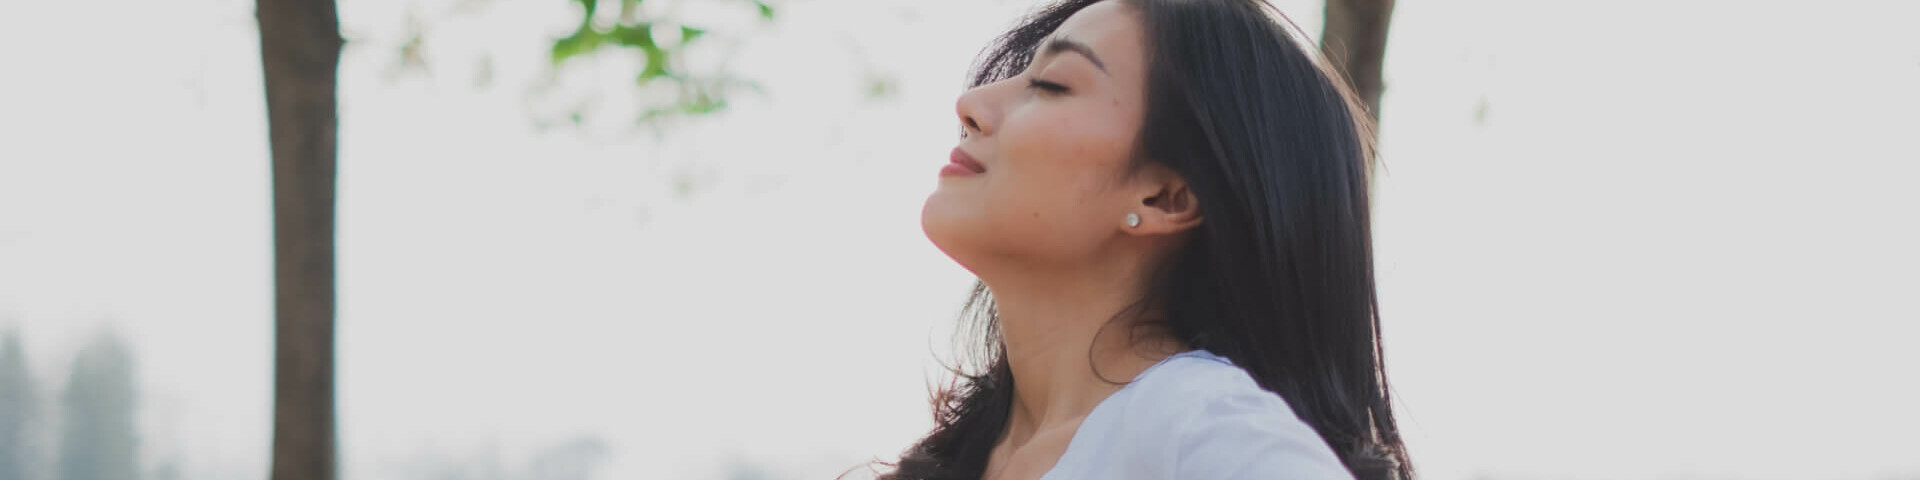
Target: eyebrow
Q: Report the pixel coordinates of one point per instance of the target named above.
(1058, 45)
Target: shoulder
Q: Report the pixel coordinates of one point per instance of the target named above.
(1212, 421)
(1198, 385)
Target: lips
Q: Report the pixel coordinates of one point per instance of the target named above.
(961, 158)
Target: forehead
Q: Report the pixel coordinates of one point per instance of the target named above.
(1111, 28)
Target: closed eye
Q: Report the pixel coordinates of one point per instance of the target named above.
(1046, 86)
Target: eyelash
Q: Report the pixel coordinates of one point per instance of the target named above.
(1046, 86)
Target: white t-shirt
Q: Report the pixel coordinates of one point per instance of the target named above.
(1195, 416)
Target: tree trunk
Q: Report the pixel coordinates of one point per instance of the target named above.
(1355, 40)
(300, 53)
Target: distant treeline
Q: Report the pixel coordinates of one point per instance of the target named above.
(89, 431)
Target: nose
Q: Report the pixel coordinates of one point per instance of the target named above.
(976, 111)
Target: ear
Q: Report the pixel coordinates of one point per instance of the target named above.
(1166, 206)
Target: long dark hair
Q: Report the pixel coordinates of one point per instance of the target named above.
(1278, 279)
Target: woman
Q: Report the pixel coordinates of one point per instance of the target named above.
(1166, 204)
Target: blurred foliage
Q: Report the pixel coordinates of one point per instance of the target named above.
(575, 459)
(98, 433)
(741, 469)
(17, 409)
(662, 43)
(578, 458)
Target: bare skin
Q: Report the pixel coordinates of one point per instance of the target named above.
(1046, 227)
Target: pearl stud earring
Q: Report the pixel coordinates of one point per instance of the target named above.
(1133, 219)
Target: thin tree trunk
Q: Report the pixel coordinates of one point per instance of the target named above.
(1355, 39)
(300, 52)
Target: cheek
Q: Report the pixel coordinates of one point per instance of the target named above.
(1064, 152)
(1060, 165)
(1070, 137)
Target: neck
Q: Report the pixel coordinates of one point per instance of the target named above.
(1062, 359)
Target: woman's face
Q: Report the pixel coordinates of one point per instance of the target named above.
(1053, 147)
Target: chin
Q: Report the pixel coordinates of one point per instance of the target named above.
(948, 228)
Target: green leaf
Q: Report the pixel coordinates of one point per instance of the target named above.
(636, 35)
(766, 11)
(706, 105)
(687, 34)
(583, 41)
(656, 64)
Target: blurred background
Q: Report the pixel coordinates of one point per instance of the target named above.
(1633, 239)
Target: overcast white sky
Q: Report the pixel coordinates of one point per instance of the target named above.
(1622, 240)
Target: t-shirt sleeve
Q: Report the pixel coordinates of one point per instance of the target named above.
(1251, 435)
